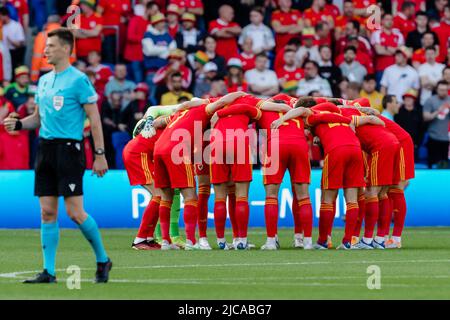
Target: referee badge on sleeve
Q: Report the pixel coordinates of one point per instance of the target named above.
(58, 102)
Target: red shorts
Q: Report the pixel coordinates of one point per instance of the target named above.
(293, 157)
(343, 168)
(384, 166)
(171, 175)
(138, 163)
(234, 164)
(406, 164)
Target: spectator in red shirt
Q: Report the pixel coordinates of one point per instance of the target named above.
(318, 12)
(385, 41)
(293, 44)
(404, 20)
(226, 31)
(14, 154)
(361, 56)
(173, 17)
(323, 34)
(342, 20)
(235, 80)
(286, 22)
(177, 64)
(443, 32)
(191, 6)
(289, 71)
(88, 37)
(102, 72)
(352, 28)
(133, 48)
(247, 56)
(111, 12)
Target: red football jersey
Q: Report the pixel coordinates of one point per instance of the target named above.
(312, 17)
(84, 46)
(372, 137)
(248, 61)
(403, 24)
(295, 74)
(180, 127)
(332, 129)
(226, 47)
(190, 4)
(394, 39)
(293, 17)
(235, 121)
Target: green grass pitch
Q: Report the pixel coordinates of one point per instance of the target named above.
(420, 270)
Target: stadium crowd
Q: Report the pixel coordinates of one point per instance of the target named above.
(142, 53)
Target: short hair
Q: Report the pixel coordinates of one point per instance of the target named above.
(176, 75)
(350, 48)
(407, 4)
(305, 102)
(289, 50)
(354, 86)
(441, 82)
(387, 99)
(312, 62)
(355, 24)
(150, 4)
(64, 35)
(294, 41)
(4, 12)
(260, 10)
(210, 36)
(421, 13)
(350, 1)
(261, 55)
(369, 77)
(324, 46)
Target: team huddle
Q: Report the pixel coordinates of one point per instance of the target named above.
(203, 142)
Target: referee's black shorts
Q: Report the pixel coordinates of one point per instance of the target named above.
(59, 168)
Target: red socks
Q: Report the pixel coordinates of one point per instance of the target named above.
(305, 216)
(220, 217)
(325, 221)
(399, 208)
(271, 216)
(371, 216)
(149, 219)
(190, 219)
(351, 217)
(203, 197)
(361, 214)
(298, 228)
(232, 210)
(164, 219)
(384, 216)
(242, 216)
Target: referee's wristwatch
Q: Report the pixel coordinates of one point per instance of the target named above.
(99, 152)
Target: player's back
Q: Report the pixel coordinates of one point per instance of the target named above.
(182, 123)
(372, 137)
(290, 132)
(333, 135)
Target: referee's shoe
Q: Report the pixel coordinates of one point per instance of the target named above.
(43, 277)
(102, 274)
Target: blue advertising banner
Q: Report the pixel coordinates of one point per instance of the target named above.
(115, 204)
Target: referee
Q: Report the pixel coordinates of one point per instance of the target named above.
(64, 97)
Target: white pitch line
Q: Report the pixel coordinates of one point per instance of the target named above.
(12, 275)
